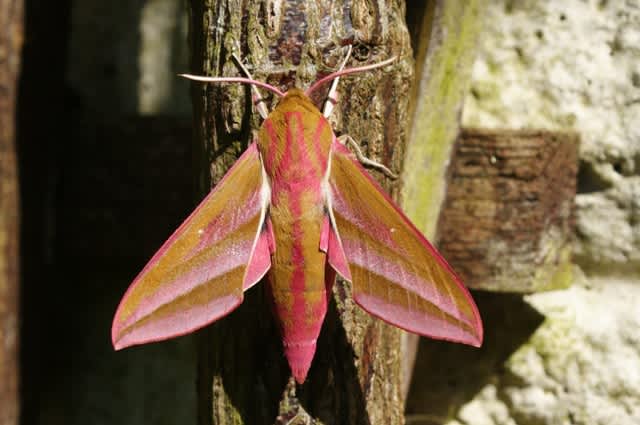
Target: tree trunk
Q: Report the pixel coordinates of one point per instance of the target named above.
(10, 48)
(355, 375)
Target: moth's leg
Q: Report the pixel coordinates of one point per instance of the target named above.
(332, 97)
(257, 99)
(345, 139)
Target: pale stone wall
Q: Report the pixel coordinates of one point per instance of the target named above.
(572, 65)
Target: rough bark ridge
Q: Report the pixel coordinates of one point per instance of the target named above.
(10, 45)
(355, 376)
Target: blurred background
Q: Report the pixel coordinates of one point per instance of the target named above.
(104, 150)
(104, 139)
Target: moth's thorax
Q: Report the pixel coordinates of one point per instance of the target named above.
(294, 141)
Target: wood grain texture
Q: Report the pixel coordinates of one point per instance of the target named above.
(355, 375)
(508, 218)
(10, 48)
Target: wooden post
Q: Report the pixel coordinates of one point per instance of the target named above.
(10, 49)
(444, 35)
(507, 223)
(355, 376)
(505, 227)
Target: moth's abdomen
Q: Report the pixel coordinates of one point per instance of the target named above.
(297, 279)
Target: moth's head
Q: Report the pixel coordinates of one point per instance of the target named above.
(296, 99)
(295, 93)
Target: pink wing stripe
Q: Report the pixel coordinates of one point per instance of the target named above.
(394, 271)
(272, 237)
(260, 261)
(337, 147)
(324, 234)
(415, 321)
(179, 323)
(340, 149)
(186, 283)
(381, 232)
(330, 243)
(337, 257)
(217, 230)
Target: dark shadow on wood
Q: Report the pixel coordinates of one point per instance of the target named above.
(332, 389)
(417, 17)
(243, 352)
(448, 375)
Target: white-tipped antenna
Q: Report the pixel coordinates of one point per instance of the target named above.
(258, 101)
(349, 71)
(204, 79)
(332, 97)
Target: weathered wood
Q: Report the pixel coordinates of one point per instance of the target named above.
(10, 49)
(444, 35)
(508, 217)
(355, 376)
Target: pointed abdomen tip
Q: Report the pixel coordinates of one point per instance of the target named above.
(300, 355)
(300, 375)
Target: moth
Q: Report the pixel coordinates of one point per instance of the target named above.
(297, 208)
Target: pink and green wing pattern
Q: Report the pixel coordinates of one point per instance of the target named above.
(397, 275)
(200, 273)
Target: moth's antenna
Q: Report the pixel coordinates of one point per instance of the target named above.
(204, 79)
(349, 71)
(332, 97)
(258, 101)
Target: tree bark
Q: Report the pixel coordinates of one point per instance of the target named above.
(10, 48)
(355, 376)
